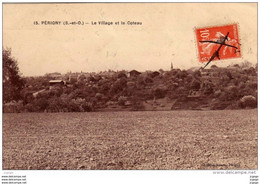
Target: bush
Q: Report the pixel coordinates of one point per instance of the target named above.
(99, 96)
(13, 107)
(137, 103)
(148, 80)
(195, 85)
(121, 75)
(159, 92)
(118, 86)
(40, 104)
(80, 105)
(248, 101)
(54, 104)
(122, 100)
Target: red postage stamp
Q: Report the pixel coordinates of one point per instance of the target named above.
(218, 42)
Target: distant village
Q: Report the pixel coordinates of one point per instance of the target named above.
(213, 88)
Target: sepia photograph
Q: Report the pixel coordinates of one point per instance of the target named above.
(129, 86)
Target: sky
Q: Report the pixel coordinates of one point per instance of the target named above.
(167, 34)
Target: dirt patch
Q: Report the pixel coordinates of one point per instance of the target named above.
(131, 140)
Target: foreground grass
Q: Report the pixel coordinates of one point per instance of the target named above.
(131, 140)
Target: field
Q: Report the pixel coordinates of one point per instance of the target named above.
(131, 140)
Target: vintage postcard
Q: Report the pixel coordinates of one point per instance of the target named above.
(130, 86)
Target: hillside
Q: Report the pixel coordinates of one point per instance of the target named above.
(214, 88)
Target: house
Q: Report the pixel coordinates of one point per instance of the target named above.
(56, 83)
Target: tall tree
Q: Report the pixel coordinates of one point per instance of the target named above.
(12, 81)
